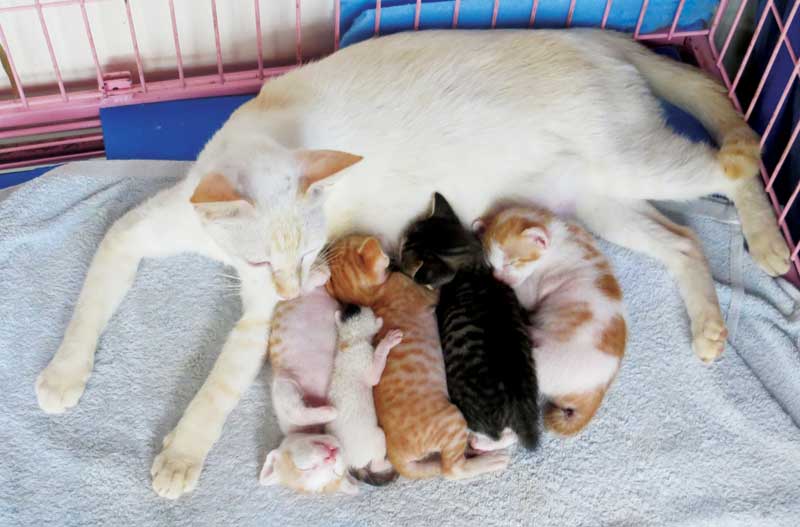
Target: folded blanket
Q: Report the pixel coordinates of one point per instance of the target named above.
(675, 443)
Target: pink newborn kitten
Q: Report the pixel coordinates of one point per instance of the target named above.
(302, 345)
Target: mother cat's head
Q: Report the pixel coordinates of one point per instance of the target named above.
(264, 206)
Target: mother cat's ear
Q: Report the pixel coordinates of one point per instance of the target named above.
(317, 167)
(215, 196)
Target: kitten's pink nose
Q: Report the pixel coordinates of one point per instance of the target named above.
(331, 450)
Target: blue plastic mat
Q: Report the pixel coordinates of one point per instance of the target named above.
(357, 20)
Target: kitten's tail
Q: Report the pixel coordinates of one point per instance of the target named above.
(525, 421)
(569, 414)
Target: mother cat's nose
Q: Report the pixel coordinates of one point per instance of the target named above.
(287, 287)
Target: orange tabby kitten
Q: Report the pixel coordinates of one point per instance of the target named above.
(411, 398)
(578, 321)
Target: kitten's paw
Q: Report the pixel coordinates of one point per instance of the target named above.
(740, 154)
(174, 474)
(58, 389)
(769, 250)
(490, 462)
(393, 338)
(708, 341)
(318, 416)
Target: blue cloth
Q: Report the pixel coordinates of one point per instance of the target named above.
(357, 20)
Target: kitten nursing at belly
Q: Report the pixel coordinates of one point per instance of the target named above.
(357, 368)
(302, 345)
(487, 350)
(426, 435)
(578, 323)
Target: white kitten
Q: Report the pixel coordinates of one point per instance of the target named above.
(357, 368)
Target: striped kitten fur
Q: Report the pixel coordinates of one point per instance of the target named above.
(490, 370)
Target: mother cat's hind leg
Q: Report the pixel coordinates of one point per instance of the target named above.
(638, 226)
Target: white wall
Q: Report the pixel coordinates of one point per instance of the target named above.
(153, 29)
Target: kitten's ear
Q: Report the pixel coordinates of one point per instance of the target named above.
(440, 208)
(268, 475)
(538, 235)
(349, 485)
(317, 167)
(434, 273)
(372, 254)
(338, 318)
(479, 227)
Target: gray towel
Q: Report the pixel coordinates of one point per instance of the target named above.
(675, 443)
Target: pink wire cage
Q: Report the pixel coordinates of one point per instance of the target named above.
(27, 117)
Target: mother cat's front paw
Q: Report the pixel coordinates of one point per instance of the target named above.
(59, 387)
(175, 472)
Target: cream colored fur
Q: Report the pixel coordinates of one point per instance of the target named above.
(564, 118)
(357, 368)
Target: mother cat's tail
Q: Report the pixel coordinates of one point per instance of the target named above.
(685, 86)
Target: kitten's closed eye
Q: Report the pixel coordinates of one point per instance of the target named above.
(263, 263)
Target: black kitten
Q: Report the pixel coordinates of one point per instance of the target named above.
(491, 374)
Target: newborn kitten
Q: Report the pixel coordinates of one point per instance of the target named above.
(491, 374)
(302, 344)
(578, 321)
(357, 368)
(411, 398)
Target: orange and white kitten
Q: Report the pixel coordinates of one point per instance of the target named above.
(411, 398)
(578, 321)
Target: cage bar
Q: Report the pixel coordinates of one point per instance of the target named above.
(605, 14)
(89, 36)
(378, 6)
(775, 112)
(456, 9)
(641, 18)
(731, 30)
(779, 166)
(298, 33)
(495, 10)
(417, 11)
(570, 12)
(51, 128)
(52, 53)
(259, 43)
(534, 7)
(178, 56)
(782, 40)
(677, 18)
(214, 19)
(61, 3)
(135, 43)
(337, 15)
(14, 74)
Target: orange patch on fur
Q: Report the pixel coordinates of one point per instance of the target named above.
(614, 337)
(214, 188)
(569, 414)
(564, 320)
(609, 286)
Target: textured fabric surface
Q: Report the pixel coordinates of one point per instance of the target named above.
(676, 442)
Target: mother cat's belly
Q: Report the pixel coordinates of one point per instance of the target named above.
(379, 202)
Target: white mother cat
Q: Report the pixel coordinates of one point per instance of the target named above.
(564, 118)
